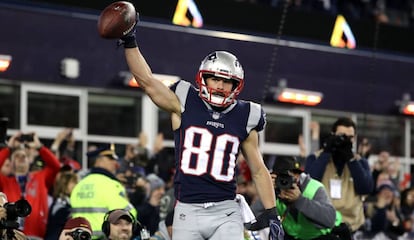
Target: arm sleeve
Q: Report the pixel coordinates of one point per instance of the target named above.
(312, 209)
(378, 220)
(52, 166)
(316, 165)
(4, 154)
(363, 181)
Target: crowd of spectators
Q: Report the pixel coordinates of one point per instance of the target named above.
(47, 175)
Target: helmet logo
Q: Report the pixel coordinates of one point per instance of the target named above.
(212, 56)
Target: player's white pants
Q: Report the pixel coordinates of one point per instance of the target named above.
(213, 221)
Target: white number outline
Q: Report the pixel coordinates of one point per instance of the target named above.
(203, 154)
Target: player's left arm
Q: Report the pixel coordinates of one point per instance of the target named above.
(260, 174)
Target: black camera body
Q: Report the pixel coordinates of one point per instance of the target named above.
(80, 234)
(284, 181)
(25, 138)
(20, 208)
(334, 142)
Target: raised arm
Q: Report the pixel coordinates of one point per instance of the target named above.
(159, 93)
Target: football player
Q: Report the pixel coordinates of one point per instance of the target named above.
(211, 127)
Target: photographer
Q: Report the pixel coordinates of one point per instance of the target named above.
(7, 233)
(346, 176)
(78, 228)
(302, 202)
(34, 185)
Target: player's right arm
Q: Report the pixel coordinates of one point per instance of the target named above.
(159, 93)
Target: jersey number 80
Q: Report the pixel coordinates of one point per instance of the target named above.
(204, 151)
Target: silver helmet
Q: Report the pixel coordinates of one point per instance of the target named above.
(225, 65)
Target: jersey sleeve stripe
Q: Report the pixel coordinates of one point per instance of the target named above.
(254, 116)
(182, 91)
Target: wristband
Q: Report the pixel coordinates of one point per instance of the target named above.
(129, 41)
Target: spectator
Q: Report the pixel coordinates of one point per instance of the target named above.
(59, 211)
(407, 210)
(33, 185)
(100, 191)
(149, 211)
(164, 228)
(77, 228)
(141, 191)
(384, 218)
(346, 176)
(8, 233)
(380, 166)
(64, 144)
(118, 224)
(300, 202)
(162, 161)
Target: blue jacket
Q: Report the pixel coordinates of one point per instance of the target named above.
(360, 171)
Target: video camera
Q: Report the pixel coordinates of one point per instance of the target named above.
(20, 208)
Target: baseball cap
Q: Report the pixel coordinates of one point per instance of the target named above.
(70, 164)
(283, 164)
(77, 222)
(106, 150)
(119, 214)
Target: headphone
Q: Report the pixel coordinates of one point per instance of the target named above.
(106, 225)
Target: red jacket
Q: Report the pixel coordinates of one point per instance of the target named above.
(37, 187)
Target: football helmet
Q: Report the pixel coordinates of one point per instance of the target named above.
(225, 65)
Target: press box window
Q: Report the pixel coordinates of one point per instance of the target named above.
(52, 110)
(283, 129)
(10, 105)
(110, 114)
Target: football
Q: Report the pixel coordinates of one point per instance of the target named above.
(116, 20)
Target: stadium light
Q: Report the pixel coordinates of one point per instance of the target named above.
(296, 96)
(406, 105)
(130, 81)
(5, 61)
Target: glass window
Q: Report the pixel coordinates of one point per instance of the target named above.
(164, 125)
(283, 129)
(10, 104)
(384, 133)
(114, 115)
(52, 110)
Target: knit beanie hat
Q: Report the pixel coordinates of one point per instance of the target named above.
(154, 181)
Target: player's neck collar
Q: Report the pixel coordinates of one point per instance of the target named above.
(220, 109)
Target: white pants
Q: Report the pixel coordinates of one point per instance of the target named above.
(213, 221)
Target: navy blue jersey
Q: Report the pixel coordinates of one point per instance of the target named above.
(207, 144)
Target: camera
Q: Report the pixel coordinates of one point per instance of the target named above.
(334, 142)
(25, 138)
(20, 208)
(284, 181)
(79, 234)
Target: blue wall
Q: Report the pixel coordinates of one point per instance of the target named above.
(354, 82)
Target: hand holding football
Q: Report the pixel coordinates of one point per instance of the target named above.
(116, 20)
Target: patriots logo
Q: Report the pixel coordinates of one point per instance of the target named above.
(212, 57)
